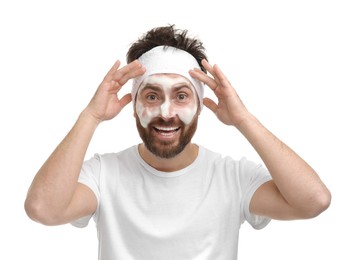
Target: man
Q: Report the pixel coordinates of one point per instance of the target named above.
(168, 198)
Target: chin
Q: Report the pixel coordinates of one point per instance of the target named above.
(166, 149)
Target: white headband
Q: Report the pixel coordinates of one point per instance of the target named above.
(167, 59)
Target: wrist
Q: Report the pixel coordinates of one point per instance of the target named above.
(248, 122)
(89, 118)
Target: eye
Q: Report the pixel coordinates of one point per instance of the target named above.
(151, 97)
(182, 96)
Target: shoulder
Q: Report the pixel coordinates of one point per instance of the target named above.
(218, 165)
(103, 161)
(225, 163)
(217, 159)
(128, 153)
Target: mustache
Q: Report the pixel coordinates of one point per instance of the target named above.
(167, 123)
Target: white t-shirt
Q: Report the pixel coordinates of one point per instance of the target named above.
(194, 213)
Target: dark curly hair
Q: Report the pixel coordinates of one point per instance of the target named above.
(168, 36)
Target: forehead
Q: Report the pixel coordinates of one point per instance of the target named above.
(166, 80)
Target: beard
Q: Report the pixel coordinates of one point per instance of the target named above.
(167, 149)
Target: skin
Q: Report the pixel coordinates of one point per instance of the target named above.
(166, 96)
(166, 112)
(55, 197)
(296, 191)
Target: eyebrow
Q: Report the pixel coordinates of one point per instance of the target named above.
(157, 88)
(182, 86)
(152, 87)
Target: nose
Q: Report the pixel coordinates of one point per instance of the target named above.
(166, 110)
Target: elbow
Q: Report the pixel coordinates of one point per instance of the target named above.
(319, 203)
(38, 213)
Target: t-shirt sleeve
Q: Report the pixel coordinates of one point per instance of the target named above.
(89, 176)
(252, 176)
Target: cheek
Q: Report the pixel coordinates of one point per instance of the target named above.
(146, 114)
(186, 114)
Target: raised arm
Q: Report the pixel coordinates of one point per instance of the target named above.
(296, 191)
(55, 196)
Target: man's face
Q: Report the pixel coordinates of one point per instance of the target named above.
(166, 108)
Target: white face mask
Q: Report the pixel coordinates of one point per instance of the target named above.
(166, 96)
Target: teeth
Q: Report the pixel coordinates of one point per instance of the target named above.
(168, 129)
(166, 134)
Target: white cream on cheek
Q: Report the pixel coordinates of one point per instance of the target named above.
(167, 109)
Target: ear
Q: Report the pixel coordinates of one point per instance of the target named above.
(134, 109)
(198, 112)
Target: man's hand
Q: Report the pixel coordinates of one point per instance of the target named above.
(55, 197)
(106, 104)
(230, 110)
(296, 190)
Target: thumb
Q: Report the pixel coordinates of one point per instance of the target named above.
(125, 100)
(209, 103)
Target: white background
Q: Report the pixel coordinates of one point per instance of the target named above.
(290, 62)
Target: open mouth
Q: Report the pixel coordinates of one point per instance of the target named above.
(166, 131)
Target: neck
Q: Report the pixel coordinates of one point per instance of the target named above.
(180, 161)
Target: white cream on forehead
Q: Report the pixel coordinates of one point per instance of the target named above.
(167, 109)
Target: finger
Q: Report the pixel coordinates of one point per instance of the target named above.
(217, 73)
(132, 70)
(209, 103)
(127, 69)
(125, 100)
(211, 70)
(203, 77)
(127, 72)
(114, 68)
(207, 66)
(220, 76)
(132, 74)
